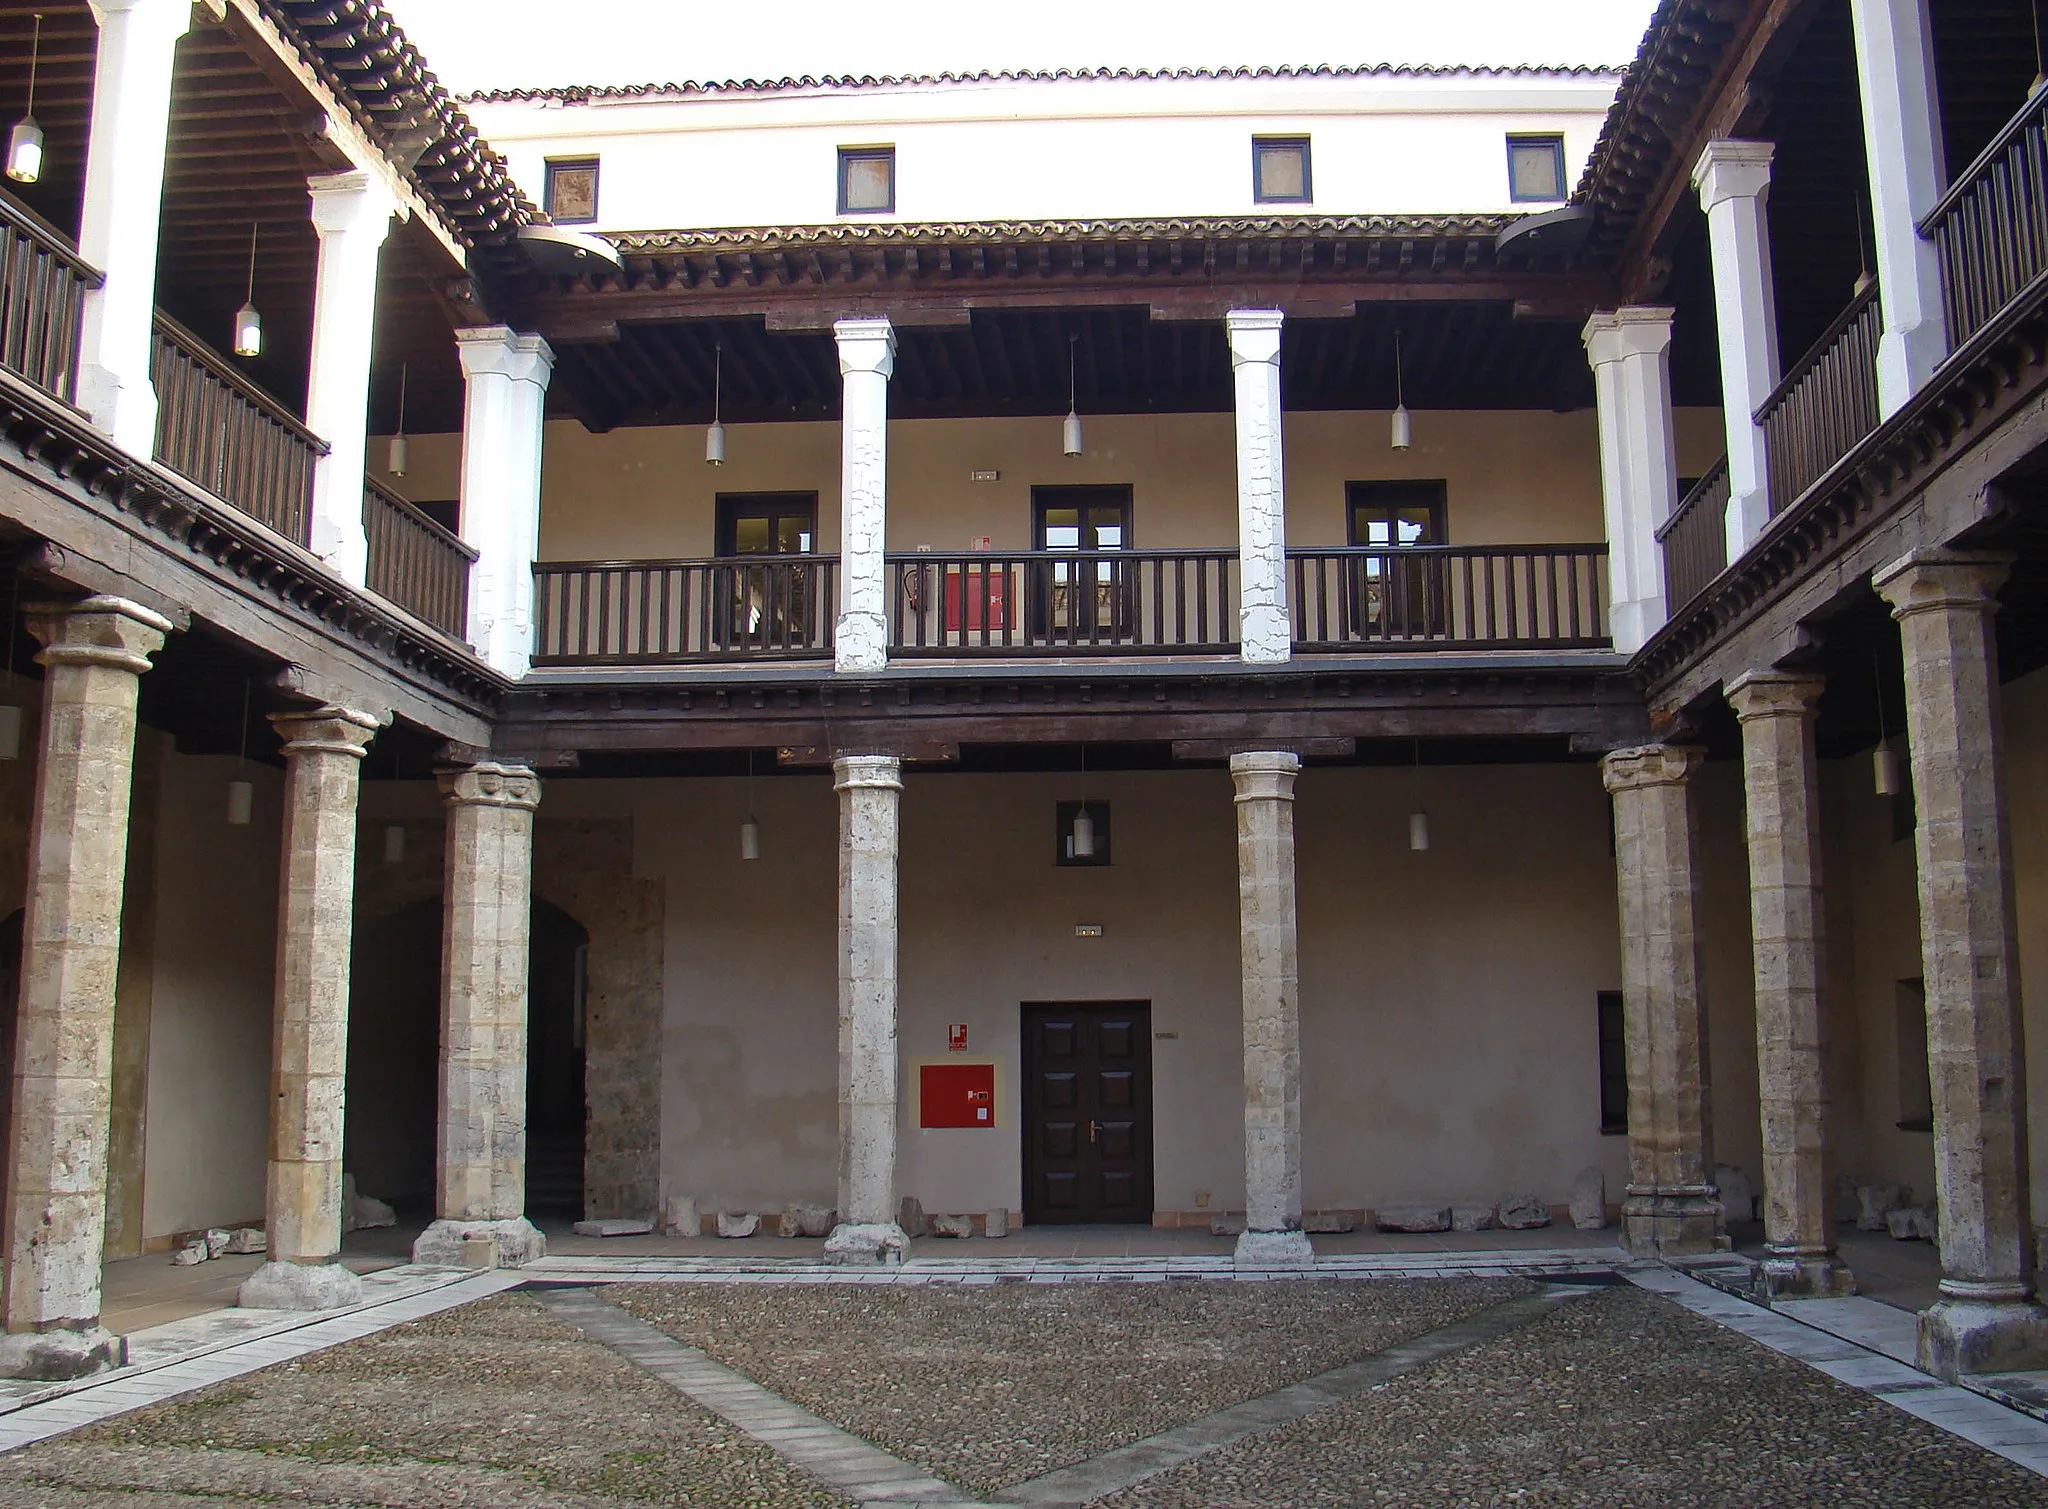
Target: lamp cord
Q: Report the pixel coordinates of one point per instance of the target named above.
(1073, 392)
(250, 296)
(36, 44)
(717, 380)
(1400, 400)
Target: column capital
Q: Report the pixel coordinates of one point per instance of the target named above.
(108, 631)
(500, 350)
(488, 784)
(1774, 694)
(865, 345)
(326, 730)
(1265, 775)
(1632, 330)
(1925, 580)
(173, 12)
(879, 770)
(1730, 169)
(1651, 765)
(350, 201)
(1254, 336)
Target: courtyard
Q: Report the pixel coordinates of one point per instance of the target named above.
(1126, 1383)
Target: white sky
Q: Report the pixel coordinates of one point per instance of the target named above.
(473, 44)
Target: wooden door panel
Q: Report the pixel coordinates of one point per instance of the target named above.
(1117, 1139)
(1115, 1089)
(1088, 1112)
(1058, 1091)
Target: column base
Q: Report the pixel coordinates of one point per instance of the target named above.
(866, 1244)
(1273, 1249)
(519, 1242)
(300, 1286)
(61, 1355)
(1677, 1222)
(1959, 1336)
(1803, 1275)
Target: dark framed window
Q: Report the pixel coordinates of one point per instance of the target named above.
(867, 180)
(570, 193)
(766, 523)
(1535, 169)
(1388, 597)
(1613, 1065)
(1280, 173)
(1063, 834)
(772, 602)
(1084, 594)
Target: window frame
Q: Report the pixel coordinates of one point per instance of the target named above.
(558, 165)
(1260, 146)
(1551, 139)
(1390, 494)
(880, 152)
(728, 509)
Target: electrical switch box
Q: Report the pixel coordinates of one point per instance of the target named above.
(957, 1095)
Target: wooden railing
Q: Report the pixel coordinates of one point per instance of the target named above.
(223, 432)
(42, 299)
(416, 563)
(1046, 602)
(1990, 229)
(1695, 538)
(741, 607)
(1469, 597)
(1826, 405)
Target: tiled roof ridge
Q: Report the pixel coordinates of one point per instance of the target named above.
(644, 242)
(582, 93)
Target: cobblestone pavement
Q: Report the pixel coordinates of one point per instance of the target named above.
(984, 1387)
(1617, 1399)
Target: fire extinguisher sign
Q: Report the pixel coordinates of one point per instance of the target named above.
(956, 1037)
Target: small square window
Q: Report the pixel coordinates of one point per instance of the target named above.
(867, 180)
(1280, 170)
(570, 193)
(1535, 168)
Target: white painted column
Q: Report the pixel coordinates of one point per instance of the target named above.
(1630, 353)
(867, 357)
(352, 212)
(1734, 180)
(506, 387)
(117, 231)
(1902, 144)
(1265, 635)
(870, 788)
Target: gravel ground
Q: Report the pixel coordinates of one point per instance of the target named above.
(987, 1386)
(494, 1403)
(1620, 1398)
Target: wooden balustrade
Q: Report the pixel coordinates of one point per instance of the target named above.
(223, 432)
(1827, 404)
(1063, 603)
(739, 607)
(414, 562)
(42, 299)
(1990, 230)
(1551, 597)
(1695, 538)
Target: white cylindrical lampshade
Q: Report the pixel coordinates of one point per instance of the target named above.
(1885, 768)
(248, 331)
(750, 840)
(394, 843)
(10, 732)
(399, 456)
(1402, 431)
(1418, 830)
(25, 151)
(1084, 835)
(241, 802)
(714, 445)
(1070, 435)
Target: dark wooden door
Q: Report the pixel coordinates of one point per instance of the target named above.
(1087, 1112)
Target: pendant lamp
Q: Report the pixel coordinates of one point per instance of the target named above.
(1884, 760)
(400, 455)
(1418, 820)
(242, 791)
(750, 830)
(1402, 431)
(1070, 437)
(248, 323)
(1083, 836)
(25, 141)
(714, 438)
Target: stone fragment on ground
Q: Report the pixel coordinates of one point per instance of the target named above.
(613, 1226)
(679, 1217)
(372, 1213)
(1226, 1226)
(952, 1226)
(1901, 1225)
(734, 1224)
(1412, 1217)
(247, 1239)
(1329, 1222)
(1874, 1202)
(217, 1239)
(191, 1255)
(1589, 1200)
(1738, 1195)
(1927, 1223)
(1472, 1218)
(910, 1216)
(996, 1224)
(1523, 1212)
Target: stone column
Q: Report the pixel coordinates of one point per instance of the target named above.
(870, 788)
(323, 756)
(352, 214)
(1782, 800)
(1986, 1320)
(1902, 144)
(1272, 1001)
(487, 901)
(1630, 353)
(867, 357)
(1734, 181)
(71, 943)
(1265, 634)
(505, 388)
(117, 225)
(1672, 1206)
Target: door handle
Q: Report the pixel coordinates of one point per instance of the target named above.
(1093, 1128)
